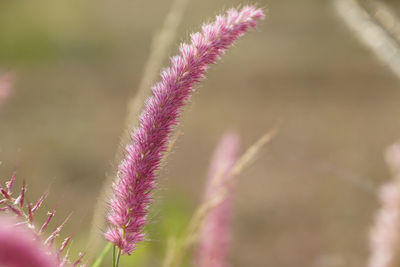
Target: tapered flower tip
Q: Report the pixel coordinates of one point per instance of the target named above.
(20, 248)
(252, 13)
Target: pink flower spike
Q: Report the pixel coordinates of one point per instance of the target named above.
(64, 244)
(30, 213)
(40, 201)
(20, 199)
(5, 193)
(136, 177)
(10, 184)
(79, 260)
(19, 248)
(49, 241)
(17, 212)
(215, 234)
(46, 223)
(86, 263)
(65, 260)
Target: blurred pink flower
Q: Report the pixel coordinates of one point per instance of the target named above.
(25, 213)
(385, 234)
(215, 234)
(392, 158)
(19, 247)
(136, 175)
(6, 83)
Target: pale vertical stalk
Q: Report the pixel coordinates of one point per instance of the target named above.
(160, 44)
(370, 33)
(384, 16)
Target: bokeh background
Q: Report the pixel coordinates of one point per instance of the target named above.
(309, 198)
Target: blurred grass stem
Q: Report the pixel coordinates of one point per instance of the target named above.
(100, 258)
(371, 33)
(384, 16)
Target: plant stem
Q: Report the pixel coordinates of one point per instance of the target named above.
(114, 256)
(100, 258)
(118, 256)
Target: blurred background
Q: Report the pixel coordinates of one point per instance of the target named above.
(309, 198)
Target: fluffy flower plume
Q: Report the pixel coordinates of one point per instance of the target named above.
(215, 234)
(20, 248)
(136, 174)
(385, 235)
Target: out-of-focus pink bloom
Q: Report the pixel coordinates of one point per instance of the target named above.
(215, 235)
(136, 175)
(6, 83)
(26, 213)
(385, 234)
(19, 247)
(392, 158)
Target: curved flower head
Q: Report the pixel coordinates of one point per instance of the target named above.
(136, 176)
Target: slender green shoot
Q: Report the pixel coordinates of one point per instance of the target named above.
(100, 258)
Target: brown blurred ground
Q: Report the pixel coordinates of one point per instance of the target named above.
(309, 198)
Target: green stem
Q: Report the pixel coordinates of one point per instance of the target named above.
(119, 255)
(114, 256)
(100, 258)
